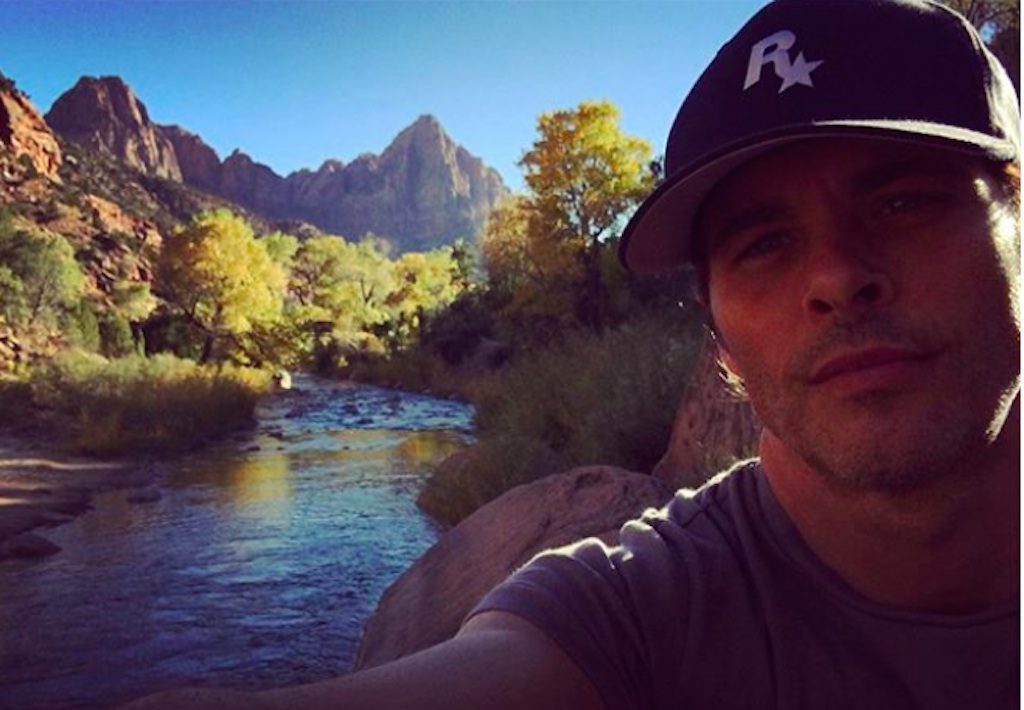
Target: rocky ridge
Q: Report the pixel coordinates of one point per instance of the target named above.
(422, 191)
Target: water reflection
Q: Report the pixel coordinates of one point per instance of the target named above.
(257, 567)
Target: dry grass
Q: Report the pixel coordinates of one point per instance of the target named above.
(137, 404)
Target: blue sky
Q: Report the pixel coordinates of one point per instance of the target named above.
(295, 83)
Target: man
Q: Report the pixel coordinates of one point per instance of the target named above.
(843, 178)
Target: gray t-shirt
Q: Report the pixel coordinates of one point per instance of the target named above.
(716, 602)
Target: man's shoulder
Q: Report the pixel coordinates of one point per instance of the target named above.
(711, 529)
(717, 510)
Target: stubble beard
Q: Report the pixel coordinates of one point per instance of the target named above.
(896, 442)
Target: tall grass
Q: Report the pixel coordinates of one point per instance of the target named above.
(591, 399)
(138, 404)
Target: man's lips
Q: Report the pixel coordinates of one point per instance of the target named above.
(863, 360)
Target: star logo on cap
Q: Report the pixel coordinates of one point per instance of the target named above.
(799, 73)
(774, 50)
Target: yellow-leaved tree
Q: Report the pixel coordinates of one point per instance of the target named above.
(584, 176)
(340, 291)
(424, 283)
(221, 278)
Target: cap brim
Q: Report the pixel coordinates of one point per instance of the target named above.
(658, 236)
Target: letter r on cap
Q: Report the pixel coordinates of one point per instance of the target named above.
(779, 44)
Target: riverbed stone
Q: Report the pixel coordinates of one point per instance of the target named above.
(27, 546)
(429, 601)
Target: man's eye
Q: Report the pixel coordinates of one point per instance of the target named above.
(761, 247)
(909, 205)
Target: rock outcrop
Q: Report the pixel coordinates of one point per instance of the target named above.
(713, 427)
(428, 602)
(25, 136)
(105, 115)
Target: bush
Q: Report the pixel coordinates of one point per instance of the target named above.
(134, 404)
(460, 485)
(115, 335)
(608, 399)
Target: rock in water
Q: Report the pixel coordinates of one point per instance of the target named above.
(428, 602)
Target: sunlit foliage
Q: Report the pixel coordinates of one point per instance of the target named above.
(584, 176)
(221, 278)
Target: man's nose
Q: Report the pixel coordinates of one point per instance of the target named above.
(845, 278)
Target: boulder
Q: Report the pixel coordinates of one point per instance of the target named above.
(429, 601)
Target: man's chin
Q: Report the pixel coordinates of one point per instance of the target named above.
(895, 459)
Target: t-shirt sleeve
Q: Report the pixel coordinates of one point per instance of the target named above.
(618, 612)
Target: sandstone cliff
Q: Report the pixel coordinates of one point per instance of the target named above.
(25, 139)
(422, 191)
(199, 164)
(105, 115)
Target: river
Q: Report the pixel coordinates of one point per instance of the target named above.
(256, 568)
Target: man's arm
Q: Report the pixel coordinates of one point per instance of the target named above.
(497, 660)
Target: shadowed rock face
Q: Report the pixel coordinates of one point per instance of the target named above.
(200, 166)
(424, 190)
(23, 132)
(104, 114)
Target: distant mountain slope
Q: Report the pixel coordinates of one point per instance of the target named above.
(114, 212)
(422, 191)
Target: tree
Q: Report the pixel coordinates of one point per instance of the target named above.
(998, 22)
(39, 278)
(425, 282)
(584, 176)
(221, 278)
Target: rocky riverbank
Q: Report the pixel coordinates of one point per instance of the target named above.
(40, 488)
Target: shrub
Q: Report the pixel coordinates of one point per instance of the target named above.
(608, 399)
(133, 404)
(471, 478)
(115, 335)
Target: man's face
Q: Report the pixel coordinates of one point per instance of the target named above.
(866, 292)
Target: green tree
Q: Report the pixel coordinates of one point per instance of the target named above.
(41, 278)
(221, 278)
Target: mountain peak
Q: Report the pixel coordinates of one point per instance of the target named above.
(104, 114)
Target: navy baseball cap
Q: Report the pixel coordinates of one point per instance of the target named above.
(900, 69)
